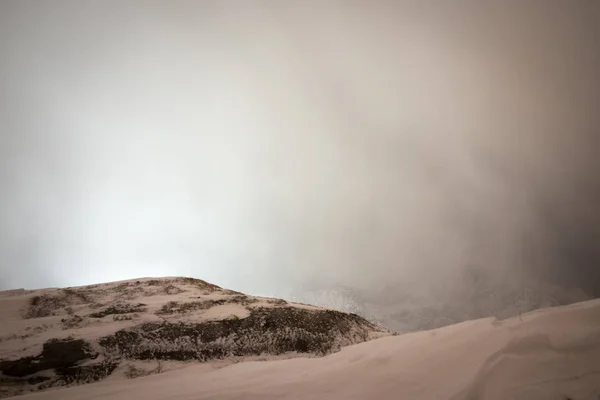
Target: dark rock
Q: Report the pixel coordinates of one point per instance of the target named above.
(56, 353)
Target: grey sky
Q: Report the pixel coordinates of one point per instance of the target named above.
(269, 145)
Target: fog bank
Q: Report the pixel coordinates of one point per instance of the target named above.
(272, 147)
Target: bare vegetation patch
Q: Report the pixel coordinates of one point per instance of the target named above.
(265, 331)
(52, 304)
(122, 287)
(129, 290)
(175, 307)
(153, 287)
(125, 308)
(230, 292)
(172, 290)
(82, 374)
(38, 329)
(242, 299)
(199, 283)
(30, 331)
(277, 302)
(71, 322)
(125, 317)
(132, 371)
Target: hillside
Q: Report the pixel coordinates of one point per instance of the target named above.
(59, 337)
(551, 354)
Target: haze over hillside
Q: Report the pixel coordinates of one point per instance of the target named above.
(398, 150)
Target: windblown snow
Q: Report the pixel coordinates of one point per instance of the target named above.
(546, 354)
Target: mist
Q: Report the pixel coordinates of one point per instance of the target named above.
(276, 147)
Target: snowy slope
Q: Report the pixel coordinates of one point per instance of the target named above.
(547, 354)
(419, 303)
(59, 337)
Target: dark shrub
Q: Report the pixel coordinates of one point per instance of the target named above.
(49, 304)
(120, 309)
(265, 330)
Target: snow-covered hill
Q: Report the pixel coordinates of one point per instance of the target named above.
(58, 337)
(551, 354)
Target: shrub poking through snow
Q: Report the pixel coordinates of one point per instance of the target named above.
(46, 305)
(72, 322)
(175, 307)
(120, 309)
(264, 331)
(199, 283)
(132, 372)
(277, 302)
(83, 374)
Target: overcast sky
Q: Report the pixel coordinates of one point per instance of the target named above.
(265, 145)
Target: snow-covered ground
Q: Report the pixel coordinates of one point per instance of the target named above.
(64, 337)
(547, 354)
